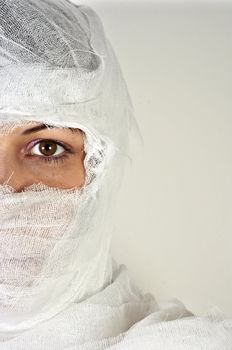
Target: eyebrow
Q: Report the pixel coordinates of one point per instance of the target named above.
(45, 126)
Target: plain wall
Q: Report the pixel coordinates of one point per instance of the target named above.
(173, 228)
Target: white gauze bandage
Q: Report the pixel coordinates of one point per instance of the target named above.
(58, 68)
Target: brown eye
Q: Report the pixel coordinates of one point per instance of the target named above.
(47, 148)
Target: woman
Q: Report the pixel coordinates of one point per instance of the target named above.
(66, 121)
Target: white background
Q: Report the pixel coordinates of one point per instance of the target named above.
(174, 227)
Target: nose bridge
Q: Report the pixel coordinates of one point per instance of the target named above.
(7, 169)
(5, 179)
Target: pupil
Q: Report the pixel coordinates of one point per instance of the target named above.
(47, 148)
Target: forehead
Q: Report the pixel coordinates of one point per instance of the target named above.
(26, 127)
(14, 126)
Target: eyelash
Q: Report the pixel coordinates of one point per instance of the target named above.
(52, 159)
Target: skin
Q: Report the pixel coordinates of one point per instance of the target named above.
(29, 156)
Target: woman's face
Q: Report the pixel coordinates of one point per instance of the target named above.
(32, 153)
